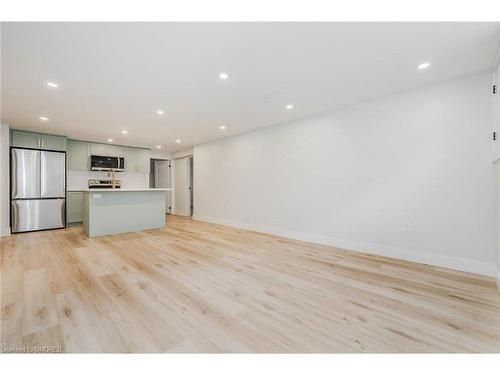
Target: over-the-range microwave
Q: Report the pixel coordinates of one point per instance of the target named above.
(106, 163)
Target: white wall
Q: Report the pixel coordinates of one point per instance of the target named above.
(4, 181)
(160, 154)
(408, 176)
(182, 153)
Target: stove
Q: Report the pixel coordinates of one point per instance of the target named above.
(104, 184)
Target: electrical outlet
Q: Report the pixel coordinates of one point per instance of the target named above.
(407, 226)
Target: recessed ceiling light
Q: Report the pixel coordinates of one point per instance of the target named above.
(43, 118)
(223, 76)
(222, 127)
(289, 106)
(424, 65)
(124, 132)
(52, 84)
(160, 112)
(177, 141)
(158, 146)
(110, 139)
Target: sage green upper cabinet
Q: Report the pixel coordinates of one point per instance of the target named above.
(115, 151)
(101, 149)
(143, 162)
(25, 139)
(78, 158)
(136, 159)
(98, 149)
(131, 156)
(35, 140)
(52, 142)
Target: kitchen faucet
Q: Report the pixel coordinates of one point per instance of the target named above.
(111, 173)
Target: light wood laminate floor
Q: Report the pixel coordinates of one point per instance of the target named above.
(198, 287)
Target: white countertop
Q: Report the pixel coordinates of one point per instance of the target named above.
(119, 190)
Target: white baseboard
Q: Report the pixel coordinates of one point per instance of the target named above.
(445, 261)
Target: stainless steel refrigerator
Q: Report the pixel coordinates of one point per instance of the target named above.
(38, 190)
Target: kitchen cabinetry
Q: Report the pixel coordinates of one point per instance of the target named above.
(25, 139)
(131, 156)
(52, 142)
(136, 159)
(101, 149)
(143, 161)
(98, 149)
(78, 155)
(114, 151)
(36, 140)
(75, 206)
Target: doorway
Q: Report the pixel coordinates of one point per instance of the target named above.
(160, 177)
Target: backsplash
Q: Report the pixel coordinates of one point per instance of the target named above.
(80, 179)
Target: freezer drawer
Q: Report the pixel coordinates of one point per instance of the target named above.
(25, 173)
(53, 174)
(38, 214)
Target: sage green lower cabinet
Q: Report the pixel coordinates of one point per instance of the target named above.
(78, 156)
(75, 206)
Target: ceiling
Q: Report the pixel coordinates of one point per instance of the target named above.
(115, 76)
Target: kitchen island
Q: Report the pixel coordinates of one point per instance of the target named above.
(113, 211)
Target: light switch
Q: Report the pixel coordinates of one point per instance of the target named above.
(96, 196)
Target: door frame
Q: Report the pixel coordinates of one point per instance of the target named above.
(153, 172)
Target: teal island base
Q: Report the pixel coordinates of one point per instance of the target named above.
(112, 211)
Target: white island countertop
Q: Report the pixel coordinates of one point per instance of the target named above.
(119, 190)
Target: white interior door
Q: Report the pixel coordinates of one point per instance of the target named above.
(497, 167)
(191, 186)
(181, 187)
(163, 180)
